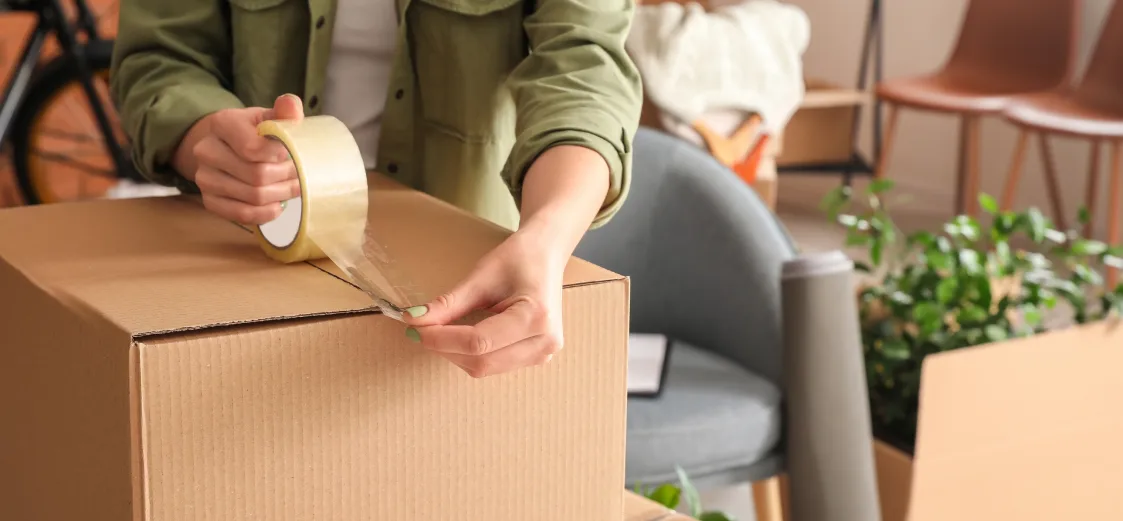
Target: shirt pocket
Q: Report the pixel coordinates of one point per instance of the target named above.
(269, 39)
(463, 51)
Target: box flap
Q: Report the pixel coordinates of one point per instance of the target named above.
(161, 265)
(639, 508)
(1024, 430)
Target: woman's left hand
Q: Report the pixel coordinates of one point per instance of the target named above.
(520, 281)
(521, 284)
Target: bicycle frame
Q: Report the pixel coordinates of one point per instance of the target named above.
(52, 19)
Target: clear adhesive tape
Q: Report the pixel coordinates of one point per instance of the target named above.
(329, 218)
(333, 190)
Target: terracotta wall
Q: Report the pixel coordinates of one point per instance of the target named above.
(14, 28)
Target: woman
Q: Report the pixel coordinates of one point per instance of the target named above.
(522, 114)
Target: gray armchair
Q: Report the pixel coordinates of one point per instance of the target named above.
(704, 255)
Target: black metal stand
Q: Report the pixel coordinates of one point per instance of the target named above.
(872, 44)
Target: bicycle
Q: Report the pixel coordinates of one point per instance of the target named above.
(33, 87)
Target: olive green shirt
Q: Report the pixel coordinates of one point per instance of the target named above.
(479, 88)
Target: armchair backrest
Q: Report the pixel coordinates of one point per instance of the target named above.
(703, 252)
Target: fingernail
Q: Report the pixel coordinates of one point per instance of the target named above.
(283, 205)
(417, 311)
(413, 335)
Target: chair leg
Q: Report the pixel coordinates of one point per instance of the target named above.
(887, 142)
(1015, 175)
(1051, 178)
(1114, 212)
(767, 499)
(1093, 182)
(970, 188)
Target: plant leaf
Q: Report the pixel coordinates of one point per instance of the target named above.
(857, 238)
(895, 349)
(939, 260)
(1083, 215)
(666, 495)
(1088, 247)
(969, 259)
(995, 333)
(693, 500)
(971, 315)
(835, 201)
(947, 289)
(1085, 275)
(878, 186)
(1037, 224)
(876, 247)
(929, 316)
(988, 203)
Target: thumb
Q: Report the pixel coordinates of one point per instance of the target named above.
(449, 307)
(287, 107)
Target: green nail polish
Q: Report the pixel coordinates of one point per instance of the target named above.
(413, 335)
(417, 311)
(284, 204)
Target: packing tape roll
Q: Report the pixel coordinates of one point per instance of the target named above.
(330, 214)
(329, 218)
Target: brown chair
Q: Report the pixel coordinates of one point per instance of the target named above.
(1005, 48)
(1092, 110)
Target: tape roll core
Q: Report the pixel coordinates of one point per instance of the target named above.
(330, 213)
(282, 231)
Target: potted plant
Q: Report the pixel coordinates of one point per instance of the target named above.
(973, 282)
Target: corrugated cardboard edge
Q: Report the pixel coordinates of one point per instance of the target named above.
(924, 496)
(136, 426)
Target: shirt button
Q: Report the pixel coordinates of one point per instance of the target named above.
(315, 100)
(392, 168)
(320, 22)
(399, 94)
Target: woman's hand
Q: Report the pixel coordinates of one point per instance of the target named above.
(520, 281)
(243, 177)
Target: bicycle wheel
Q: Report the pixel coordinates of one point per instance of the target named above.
(57, 147)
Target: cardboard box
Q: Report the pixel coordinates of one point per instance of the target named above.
(155, 365)
(1027, 429)
(821, 131)
(1024, 429)
(894, 480)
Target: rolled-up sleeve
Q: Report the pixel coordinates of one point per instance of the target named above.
(170, 68)
(577, 87)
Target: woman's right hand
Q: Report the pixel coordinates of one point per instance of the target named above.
(243, 177)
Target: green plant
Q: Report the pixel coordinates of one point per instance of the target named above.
(968, 284)
(670, 495)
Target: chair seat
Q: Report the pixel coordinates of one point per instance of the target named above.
(1062, 113)
(940, 93)
(712, 416)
